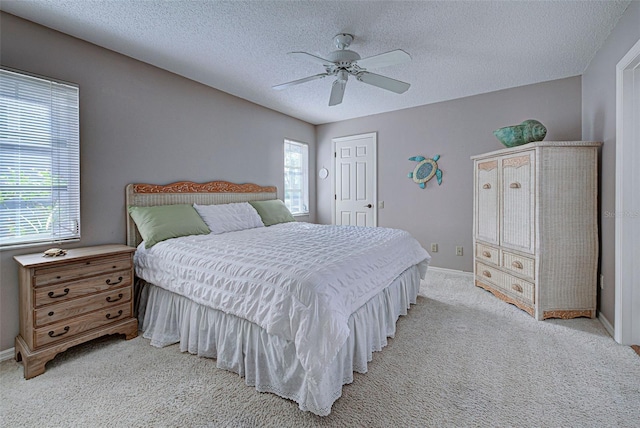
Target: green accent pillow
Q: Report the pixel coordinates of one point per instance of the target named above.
(272, 212)
(162, 222)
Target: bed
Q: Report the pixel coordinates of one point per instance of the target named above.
(295, 308)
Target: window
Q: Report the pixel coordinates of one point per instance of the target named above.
(39, 160)
(296, 177)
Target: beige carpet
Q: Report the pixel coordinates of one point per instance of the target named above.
(460, 358)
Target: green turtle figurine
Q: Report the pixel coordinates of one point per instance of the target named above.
(425, 170)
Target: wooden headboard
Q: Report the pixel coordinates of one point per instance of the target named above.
(187, 192)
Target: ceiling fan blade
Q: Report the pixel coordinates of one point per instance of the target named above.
(308, 57)
(337, 92)
(383, 82)
(384, 60)
(297, 82)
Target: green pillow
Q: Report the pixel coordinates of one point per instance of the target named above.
(162, 222)
(272, 212)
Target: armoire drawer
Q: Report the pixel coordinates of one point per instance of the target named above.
(487, 254)
(505, 283)
(516, 287)
(487, 274)
(523, 266)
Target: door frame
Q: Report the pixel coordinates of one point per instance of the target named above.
(627, 233)
(373, 135)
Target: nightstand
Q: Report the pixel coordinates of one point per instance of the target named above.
(71, 299)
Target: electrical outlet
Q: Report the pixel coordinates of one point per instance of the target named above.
(601, 282)
(380, 204)
(434, 248)
(458, 251)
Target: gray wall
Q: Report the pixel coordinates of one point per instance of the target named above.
(599, 123)
(142, 124)
(455, 130)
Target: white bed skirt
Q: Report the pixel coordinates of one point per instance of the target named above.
(269, 362)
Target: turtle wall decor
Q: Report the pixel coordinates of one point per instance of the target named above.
(426, 169)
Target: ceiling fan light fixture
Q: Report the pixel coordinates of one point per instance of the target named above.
(343, 40)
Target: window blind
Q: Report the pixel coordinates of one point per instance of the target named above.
(296, 177)
(39, 160)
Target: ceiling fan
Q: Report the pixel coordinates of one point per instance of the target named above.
(344, 62)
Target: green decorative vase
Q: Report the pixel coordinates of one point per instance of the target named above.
(517, 135)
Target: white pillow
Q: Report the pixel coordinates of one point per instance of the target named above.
(229, 217)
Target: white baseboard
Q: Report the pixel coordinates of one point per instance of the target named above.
(452, 271)
(7, 354)
(607, 325)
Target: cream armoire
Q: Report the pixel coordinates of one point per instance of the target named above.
(536, 227)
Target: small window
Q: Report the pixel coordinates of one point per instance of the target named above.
(296, 177)
(39, 160)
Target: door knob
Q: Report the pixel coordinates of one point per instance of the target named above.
(369, 206)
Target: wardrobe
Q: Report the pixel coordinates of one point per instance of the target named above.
(536, 227)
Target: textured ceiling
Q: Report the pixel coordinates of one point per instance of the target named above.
(458, 48)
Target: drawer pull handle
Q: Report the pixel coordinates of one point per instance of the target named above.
(108, 281)
(50, 314)
(516, 264)
(110, 300)
(486, 186)
(516, 287)
(487, 273)
(114, 267)
(88, 263)
(109, 317)
(52, 334)
(486, 254)
(515, 185)
(55, 296)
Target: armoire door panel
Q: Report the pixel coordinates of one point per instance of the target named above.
(487, 202)
(518, 202)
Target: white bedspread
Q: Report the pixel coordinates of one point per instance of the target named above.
(299, 281)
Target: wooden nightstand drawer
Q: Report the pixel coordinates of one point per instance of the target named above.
(76, 270)
(69, 290)
(71, 327)
(83, 305)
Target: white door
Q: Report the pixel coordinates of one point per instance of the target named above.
(627, 215)
(355, 180)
